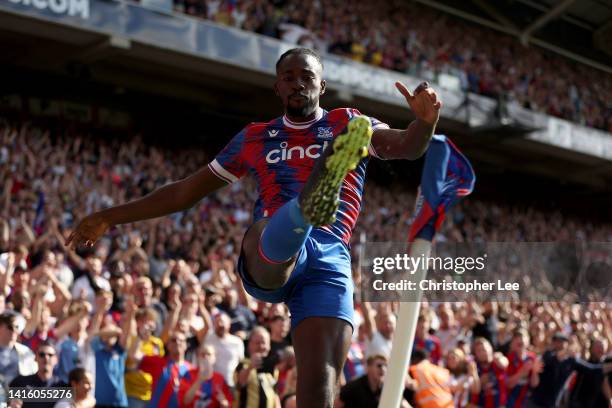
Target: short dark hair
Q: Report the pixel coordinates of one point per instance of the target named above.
(418, 356)
(299, 51)
(76, 375)
(8, 318)
(45, 343)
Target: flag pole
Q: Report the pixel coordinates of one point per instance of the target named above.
(404, 333)
(447, 177)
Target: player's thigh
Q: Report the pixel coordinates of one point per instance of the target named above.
(265, 274)
(321, 345)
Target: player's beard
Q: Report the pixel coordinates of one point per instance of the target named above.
(304, 111)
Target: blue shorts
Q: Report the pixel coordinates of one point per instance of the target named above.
(320, 285)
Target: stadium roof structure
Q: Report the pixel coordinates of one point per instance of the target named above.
(578, 29)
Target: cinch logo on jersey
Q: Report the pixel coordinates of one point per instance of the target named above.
(282, 154)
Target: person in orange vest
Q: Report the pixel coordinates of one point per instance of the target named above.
(430, 382)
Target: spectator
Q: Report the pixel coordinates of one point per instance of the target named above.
(120, 284)
(74, 348)
(379, 337)
(486, 323)
(143, 296)
(425, 341)
(242, 318)
(109, 348)
(449, 330)
(365, 391)
(229, 349)
(138, 383)
(166, 372)
(279, 330)
(589, 385)
(523, 370)
(252, 375)
(286, 372)
(492, 374)
(46, 359)
(464, 377)
(92, 282)
(80, 381)
(431, 384)
(202, 386)
(15, 358)
(354, 365)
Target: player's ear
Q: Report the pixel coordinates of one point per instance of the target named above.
(323, 84)
(276, 88)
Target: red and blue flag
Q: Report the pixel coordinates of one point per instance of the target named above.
(447, 177)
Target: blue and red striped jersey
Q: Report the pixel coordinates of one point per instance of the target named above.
(208, 393)
(517, 396)
(167, 375)
(354, 366)
(493, 392)
(280, 156)
(431, 344)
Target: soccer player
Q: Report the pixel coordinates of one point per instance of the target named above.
(309, 165)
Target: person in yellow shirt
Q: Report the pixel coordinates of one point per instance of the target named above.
(138, 384)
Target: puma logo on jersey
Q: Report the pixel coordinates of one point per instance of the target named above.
(276, 155)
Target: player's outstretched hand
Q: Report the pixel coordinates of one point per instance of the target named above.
(88, 231)
(424, 102)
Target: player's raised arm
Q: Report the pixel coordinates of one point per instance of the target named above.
(173, 197)
(412, 142)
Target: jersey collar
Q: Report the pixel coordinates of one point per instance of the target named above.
(303, 125)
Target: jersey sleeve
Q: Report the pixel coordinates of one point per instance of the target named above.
(229, 165)
(376, 124)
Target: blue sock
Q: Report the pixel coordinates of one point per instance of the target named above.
(284, 234)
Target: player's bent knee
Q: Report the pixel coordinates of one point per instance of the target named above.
(264, 274)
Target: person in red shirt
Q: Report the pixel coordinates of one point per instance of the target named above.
(204, 387)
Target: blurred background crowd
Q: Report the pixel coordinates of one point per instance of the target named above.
(416, 40)
(155, 314)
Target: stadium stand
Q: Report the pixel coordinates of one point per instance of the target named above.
(158, 306)
(413, 39)
(182, 267)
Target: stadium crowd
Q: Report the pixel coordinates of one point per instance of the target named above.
(416, 40)
(154, 314)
